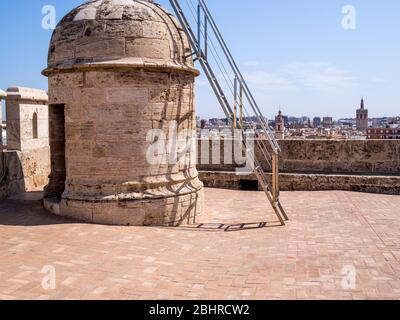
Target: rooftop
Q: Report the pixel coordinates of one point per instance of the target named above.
(236, 250)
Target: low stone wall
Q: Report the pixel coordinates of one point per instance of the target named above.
(24, 171)
(377, 157)
(305, 182)
(25, 161)
(353, 165)
(366, 157)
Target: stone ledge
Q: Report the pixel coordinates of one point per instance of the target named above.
(159, 212)
(123, 64)
(27, 94)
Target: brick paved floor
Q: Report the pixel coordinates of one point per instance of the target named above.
(305, 259)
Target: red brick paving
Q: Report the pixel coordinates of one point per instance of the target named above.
(303, 260)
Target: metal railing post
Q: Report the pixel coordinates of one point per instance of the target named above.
(199, 30)
(275, 178)
(235, 104)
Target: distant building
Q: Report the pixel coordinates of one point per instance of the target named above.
(217, 122)
(304, 120)
(203, 124)
(362, 117)
(279, 126)
(327, 122)
(383, 133)
(316, 122)
(286, 120)
(346, 123)
(394, 122)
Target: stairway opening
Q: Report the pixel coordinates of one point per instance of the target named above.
(249, 185)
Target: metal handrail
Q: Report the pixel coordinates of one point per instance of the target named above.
(272, 191)
(202, 57)
(239, 76)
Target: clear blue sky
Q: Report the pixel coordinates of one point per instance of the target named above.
(294, 53)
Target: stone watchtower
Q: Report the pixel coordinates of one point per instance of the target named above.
(121, 82)
(362, 117)
(279, 126)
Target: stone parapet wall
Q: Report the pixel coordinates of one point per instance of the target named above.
(305, 182)
(25, 161)
(353, 165)
(23, 171)
(364, 157)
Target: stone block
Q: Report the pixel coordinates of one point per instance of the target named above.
(102, 47)
(125, 95)
(148, 48)
(76, 211)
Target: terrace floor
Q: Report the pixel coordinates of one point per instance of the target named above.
(331, 237)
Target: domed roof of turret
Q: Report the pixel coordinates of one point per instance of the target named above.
(119, 33)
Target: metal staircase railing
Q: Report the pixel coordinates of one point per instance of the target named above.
(209, 45)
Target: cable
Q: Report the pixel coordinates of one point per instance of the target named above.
(214, 53)
(228, 81)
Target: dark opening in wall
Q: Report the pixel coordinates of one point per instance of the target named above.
(35, 126)
(56, 185)
(249, 185)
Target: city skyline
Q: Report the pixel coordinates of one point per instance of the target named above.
(313, 116)
(309, 63)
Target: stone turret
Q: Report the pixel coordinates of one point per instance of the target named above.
(121, 78)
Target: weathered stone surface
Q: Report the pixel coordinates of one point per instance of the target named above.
(369, 157)
(27, 94)
(370, 166)
(129, 34)
(305, 182)
(27, 119)
(117, 70)
(182, 209)
(26, 170)
(25, 163)
(349, 156)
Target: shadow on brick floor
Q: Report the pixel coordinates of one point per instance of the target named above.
(27, 210)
